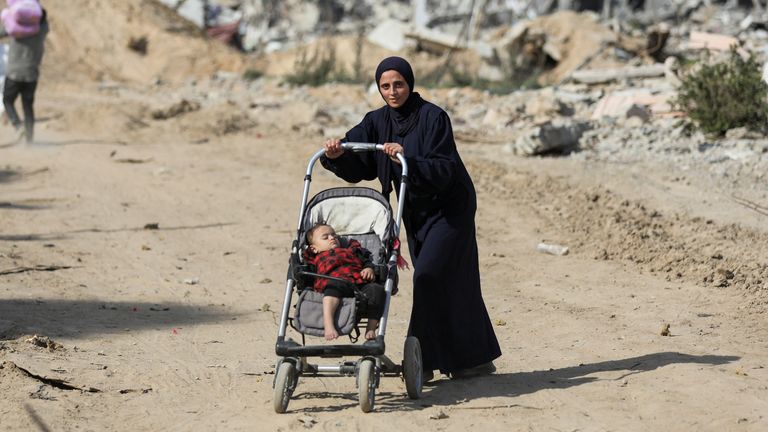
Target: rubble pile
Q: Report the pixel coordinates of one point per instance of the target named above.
(600, 77)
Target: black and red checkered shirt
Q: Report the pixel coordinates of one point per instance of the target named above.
(341, 262)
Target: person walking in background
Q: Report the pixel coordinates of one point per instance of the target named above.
(27, 30)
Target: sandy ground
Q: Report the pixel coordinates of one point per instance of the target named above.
(174, 328)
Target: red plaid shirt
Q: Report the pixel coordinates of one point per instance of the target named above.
(345, 263)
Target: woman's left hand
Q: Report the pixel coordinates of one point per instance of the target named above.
(392, 149)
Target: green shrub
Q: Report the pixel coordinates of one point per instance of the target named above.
(725, 95)
(460, 76)
(321, 67)
(313, 70)
(252, 74)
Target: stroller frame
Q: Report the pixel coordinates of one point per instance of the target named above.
(373, 363)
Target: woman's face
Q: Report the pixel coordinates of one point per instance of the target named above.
(393, 88)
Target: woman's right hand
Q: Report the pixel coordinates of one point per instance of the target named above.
(333, 148)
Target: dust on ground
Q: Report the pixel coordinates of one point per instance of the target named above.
(152, 254)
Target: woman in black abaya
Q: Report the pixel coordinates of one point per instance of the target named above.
(449, 316)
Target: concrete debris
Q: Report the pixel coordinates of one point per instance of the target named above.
(44, 342)
(557, 136)
(552, 249)
(545, 106)
(671, 69)
(606, 86)
(638, 111)
(435, 41)
(600, 76)
(389, 34)
(620, 103)
(702, 40)
(552, 42)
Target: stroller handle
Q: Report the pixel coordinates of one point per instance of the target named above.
(361, 147)
(357, 147)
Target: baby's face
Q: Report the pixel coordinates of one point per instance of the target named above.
(323, 239)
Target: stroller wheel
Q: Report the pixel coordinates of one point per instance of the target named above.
(412, 367)
(286, 379)
(366, 384)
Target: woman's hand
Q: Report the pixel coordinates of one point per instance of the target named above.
(367, 274)
(333, 148)
(392, 149)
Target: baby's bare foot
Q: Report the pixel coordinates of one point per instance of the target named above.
(370, 335)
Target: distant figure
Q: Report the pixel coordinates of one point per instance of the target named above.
(25, 53)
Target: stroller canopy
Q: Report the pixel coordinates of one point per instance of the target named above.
(354, 212)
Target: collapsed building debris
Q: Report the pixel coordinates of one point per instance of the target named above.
(612, 83)
(512, 42)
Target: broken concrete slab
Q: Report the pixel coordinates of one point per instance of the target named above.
(544, 106)
(618, 104)
(601, 76)
(389, 34)
(712, 41)
(435, 41)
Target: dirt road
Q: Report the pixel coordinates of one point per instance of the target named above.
(173, 328)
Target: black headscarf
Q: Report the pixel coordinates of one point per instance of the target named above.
(400, 120)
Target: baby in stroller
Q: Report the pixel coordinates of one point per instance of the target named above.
(351, 269)
(355, 222)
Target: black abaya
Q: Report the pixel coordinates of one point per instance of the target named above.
(448, 316)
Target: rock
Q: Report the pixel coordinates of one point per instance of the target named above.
(544, 105)
(181, 107)
(737, 133)
(490, 73)
(389, 34)
(671, 68)
(633, 123)
(492, 118)
(44, 342)
(559, 136)
(638, 111)
(665, 330)
(438, 415)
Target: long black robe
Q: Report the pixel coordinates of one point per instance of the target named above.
(448, 316)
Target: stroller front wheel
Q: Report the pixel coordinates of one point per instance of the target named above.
(366, 384)
(286, 379)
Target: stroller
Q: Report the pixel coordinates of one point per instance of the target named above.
(365, 215)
